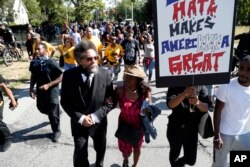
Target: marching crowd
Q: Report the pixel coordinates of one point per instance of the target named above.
(88, 94)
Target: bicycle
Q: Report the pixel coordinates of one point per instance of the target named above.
(9, 53)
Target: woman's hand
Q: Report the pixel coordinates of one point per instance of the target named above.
(193, 99)
(218, 143)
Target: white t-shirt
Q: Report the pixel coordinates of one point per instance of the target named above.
(236, 111)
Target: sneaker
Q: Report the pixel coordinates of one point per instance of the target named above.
(55, 136)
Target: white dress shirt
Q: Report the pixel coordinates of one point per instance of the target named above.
(93, 115)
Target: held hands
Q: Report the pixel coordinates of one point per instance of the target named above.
(87, 122)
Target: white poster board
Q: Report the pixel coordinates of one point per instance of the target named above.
(193, 40)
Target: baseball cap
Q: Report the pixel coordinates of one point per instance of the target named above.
(36, 35)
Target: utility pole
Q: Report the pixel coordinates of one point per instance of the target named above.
(126, 12)
(132, 12)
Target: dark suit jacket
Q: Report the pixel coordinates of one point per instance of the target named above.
(102, 100)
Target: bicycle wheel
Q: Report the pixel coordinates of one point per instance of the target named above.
(20, 55)
(7, 58)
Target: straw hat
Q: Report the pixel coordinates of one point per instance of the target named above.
(135, 70)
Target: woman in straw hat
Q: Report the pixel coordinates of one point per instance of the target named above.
(131, 97)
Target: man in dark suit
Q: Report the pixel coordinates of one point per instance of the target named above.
(87, 96)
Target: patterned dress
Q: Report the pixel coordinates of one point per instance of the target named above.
(130, 113)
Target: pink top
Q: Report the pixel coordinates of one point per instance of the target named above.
(130, 110)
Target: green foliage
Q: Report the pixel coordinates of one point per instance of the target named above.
(84, 10)
(243, 12)
(34, 12)
(142, 12)
(6, 11)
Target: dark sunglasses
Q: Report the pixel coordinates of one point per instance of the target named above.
(91, 58)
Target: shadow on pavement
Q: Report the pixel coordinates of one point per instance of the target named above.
(20, 93)
(19, 136)
(17, 80)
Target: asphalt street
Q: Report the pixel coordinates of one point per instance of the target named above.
(32, 146)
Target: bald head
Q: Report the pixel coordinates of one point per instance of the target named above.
(89, 32)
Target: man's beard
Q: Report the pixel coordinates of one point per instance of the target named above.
(93, 69)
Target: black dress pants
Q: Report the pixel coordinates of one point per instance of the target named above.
(179, 138)
(52, 110)
(81, 147)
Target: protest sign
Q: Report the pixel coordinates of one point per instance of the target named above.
(193, 41)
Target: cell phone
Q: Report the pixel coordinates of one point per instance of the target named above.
(11, 106)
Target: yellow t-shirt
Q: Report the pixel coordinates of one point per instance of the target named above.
(112, 52)
(96, 41)
(68, 54)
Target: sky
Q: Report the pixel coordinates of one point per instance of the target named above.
(110, 3)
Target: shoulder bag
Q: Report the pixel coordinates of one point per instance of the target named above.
(205, 126)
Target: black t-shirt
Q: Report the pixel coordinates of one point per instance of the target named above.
(44, 71)
(7, 35)
(106, 37)
(181, 115)
(130, 48)
(2, 80)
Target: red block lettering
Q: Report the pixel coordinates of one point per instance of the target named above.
(186, 58)
(207, 65)
(196, 64)
(179, 7)
(217, 55)
(192, 8)
(175, 65)
(201, 2)
(212, 8)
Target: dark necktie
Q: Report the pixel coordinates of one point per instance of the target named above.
(87, 82)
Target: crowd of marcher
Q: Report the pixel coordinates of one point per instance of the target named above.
(88, 95)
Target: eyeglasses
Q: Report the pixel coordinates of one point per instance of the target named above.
(92, 58)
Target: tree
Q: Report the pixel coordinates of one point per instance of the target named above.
(84, 9)
(6, 10)
(243, 12)
(34, 12)
(123, 10)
